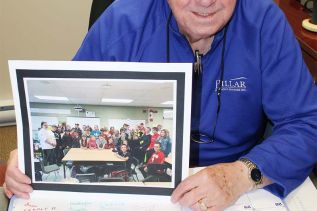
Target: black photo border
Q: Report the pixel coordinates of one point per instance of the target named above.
(22, 74)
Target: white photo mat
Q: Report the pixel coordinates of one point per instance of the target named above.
(24, 72)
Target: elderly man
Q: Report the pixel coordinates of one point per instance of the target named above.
(248, 70)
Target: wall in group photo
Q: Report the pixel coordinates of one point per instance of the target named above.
(59, 113)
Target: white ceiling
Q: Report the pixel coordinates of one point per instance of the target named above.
(90, 92)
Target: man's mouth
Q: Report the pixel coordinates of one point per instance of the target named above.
(203, 14)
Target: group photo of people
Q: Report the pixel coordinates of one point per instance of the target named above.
(88, 131)
(145, 152)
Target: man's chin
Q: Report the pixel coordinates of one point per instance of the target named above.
(195, 37)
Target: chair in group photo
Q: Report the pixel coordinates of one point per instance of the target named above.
(132, 170)
(48, 169)
(123, 172)
(157, 173)
(84, 173)
(86, 177)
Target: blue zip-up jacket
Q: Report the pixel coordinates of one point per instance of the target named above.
(265, 78)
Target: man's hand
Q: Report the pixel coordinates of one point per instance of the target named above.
(15, 181)
(214, 188)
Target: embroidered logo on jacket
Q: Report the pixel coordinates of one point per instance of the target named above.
(234, 84)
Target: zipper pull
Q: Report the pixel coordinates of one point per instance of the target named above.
(198, 67)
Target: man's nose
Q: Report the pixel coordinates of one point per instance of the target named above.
(206, 3)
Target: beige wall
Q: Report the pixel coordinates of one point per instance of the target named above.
(39, 30)
(8, 141)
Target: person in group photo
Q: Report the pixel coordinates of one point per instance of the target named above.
(101, 141)
(92, 143)
(123, 153)
(110, 144)
(154, 165)
(165, 142)
(84, 142)
(48, 143)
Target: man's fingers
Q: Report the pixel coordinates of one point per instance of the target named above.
(196, 207)
(15, 186)
(192, 197)
(20, 190)
(18, 176)
(180, 190)
(22, 195)
(18, 187)
(14, 171)
(8, 193)
(15, 181)
(13, 159)
(187, 185)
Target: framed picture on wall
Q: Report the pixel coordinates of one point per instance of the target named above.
(128, 146)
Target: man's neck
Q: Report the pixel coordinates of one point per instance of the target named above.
(202, 45)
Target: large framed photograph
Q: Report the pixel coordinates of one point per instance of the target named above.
(103, 127)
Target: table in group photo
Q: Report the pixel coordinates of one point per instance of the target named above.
(90, 156)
